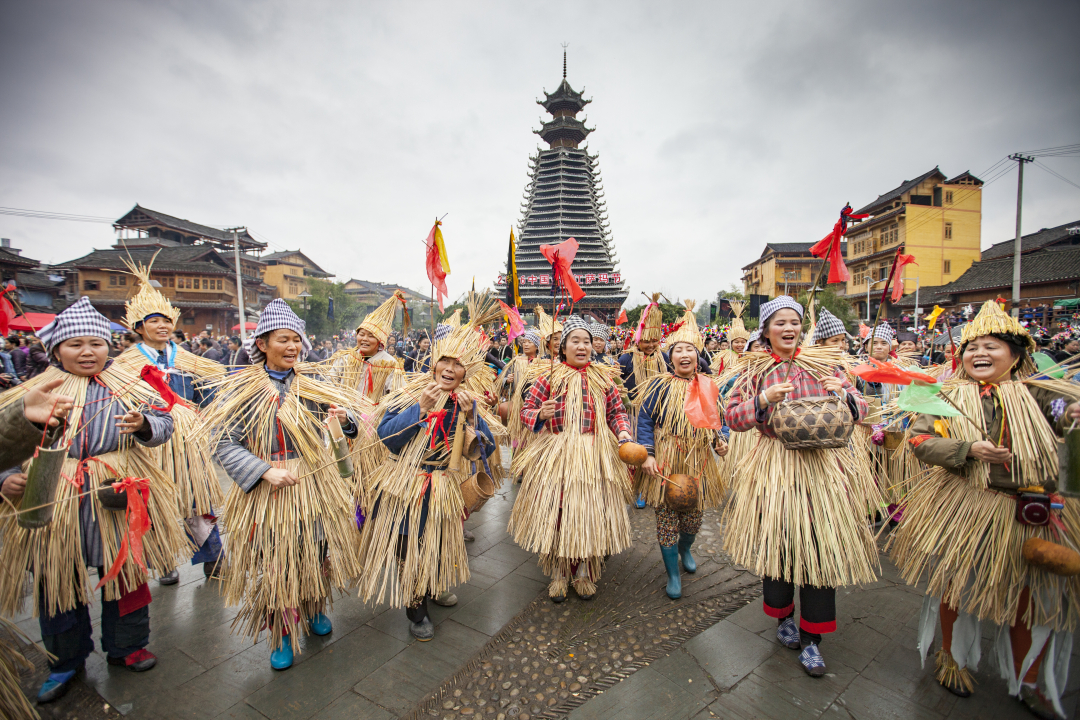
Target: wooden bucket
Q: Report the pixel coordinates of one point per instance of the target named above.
(813, 423)
(682, 493)
(477, 490)
(42, 480)
(109, 498)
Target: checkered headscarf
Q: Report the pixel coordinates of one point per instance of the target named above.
(442, 330)
(778, 303)
(883, 332)
(276, 316)
(574, 322)
(600, 330)
(534, 337)
(828, 325)
(79, 320)
(754, 337)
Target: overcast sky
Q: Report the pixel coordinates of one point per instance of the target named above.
(344, 128)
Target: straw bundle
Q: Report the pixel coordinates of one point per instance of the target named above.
(147, 301)
(13, 704)
(800, 516)
(679, 446)
(723, 360)
(969, 545)
(572, 502)
(52, 552)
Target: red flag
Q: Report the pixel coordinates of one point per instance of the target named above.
(7, 311)
(561, 256)
(828, 248)
(436, 263)
(887, 372)
(898, 279)
(622, 318)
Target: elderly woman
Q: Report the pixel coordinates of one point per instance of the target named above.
(412, 546)
(677, 446)
(290, 512)
(797, 517)
(107, 432)
(572, 505)
(992, 491)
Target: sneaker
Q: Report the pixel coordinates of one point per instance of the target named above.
(171, 578)
(139, 661)
(55, 686)
(423, 630)
(447, 599)
(640, 502)
(787, 633)
(1037, 703)
(812, 661)
(320, 625)
(469, 537)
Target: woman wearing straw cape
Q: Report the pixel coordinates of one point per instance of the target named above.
(514, 381)
(969, 528)
(677, 445)
(797, 517)
(291, 514)
(439, 438)
(571, 508)
(108, 437)
(187, 456)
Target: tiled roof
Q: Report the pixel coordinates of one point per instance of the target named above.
(9, 258)
(187, 258)
(1034, 241)
(290, 253)
(1050, 265)
(928, 297)
(186, 226)
(867, 224)
(896, 192)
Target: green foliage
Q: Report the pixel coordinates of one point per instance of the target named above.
(439, 317)
(734, 292)
(841, 308)
(672, 313)
(347, 312)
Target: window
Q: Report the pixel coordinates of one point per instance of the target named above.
(205, 284)
(883, 272)
(112, 280)
(948, 197)
(948, 231)
(170, 281)
(91, 285)
(946, 267)
(123, 279)
(189, 320)
(219, 287)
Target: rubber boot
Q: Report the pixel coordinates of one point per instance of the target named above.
(688, 562)
(282, 658)
(671, 563)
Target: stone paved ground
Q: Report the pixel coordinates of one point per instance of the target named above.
(370, 668)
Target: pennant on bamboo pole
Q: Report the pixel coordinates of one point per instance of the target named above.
(561, 256)
(898, 275)
(829, 247)
(436, 263)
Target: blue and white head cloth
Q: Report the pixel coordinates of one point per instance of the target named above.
(572, 323)
(828, 325)
(600, 330)
(883, 332)
(754, 337)
(276, 316)
(778, 303)
(442, 330)
(533, 336)
(79, 320)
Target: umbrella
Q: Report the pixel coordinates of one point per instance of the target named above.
(117, 327)
(31, 322)
(247, 326)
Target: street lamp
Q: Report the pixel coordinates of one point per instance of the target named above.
(869, 283)
(303, 303)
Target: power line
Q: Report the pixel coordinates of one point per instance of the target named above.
(48, 215)
(1059, 177)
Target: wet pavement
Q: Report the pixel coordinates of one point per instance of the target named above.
(505, 651)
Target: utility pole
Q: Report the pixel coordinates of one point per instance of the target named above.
(239, 282)
(1021, 160)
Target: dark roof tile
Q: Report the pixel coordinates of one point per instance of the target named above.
(1033, 241)
(896, 192)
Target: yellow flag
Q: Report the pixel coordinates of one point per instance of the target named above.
(931, 319)
(442, 250)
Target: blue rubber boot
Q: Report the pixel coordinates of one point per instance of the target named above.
(320, 625)
(671, 563)
(640, 502)
(688, 562)
(281, 659)
(55, 686)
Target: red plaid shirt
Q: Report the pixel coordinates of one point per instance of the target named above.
(742, 412)
(614, 412)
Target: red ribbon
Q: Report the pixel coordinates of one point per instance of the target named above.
(155, 378)
(776, 358)
(138, 523)
(7, 311)
(437, 420)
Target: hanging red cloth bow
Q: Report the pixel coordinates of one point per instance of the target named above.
(155, 378)
(561, 256)
(828, 248)
(700, 404)
(138, 522)
(898, 279)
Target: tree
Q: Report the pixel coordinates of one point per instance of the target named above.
(347, 312)
(828, 299)
(672, 313)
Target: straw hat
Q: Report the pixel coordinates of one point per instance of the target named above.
(991, 320)
(545, 324)
(380, 321)
(738, 329)
(147, 301)
(653, 329)
(687, 331)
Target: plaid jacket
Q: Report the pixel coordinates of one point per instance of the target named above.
(614, 412)
(742, 413)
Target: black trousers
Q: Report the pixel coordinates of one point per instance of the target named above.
(69, 635)
(817, 607)
(416, 608)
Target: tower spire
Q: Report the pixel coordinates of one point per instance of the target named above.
(564, 46)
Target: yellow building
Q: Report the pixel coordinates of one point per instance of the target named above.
(782, 269)
(937, 220)
(289, 271)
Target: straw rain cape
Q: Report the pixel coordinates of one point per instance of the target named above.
(82, 532)
(798, 515)
(574, 491)
(276, 569)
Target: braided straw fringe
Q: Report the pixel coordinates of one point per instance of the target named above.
(584, 586)
(951, 675)
(557, 587)
(969, 544)
(800, 516)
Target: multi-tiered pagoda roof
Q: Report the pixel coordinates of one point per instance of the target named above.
(565, 198)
